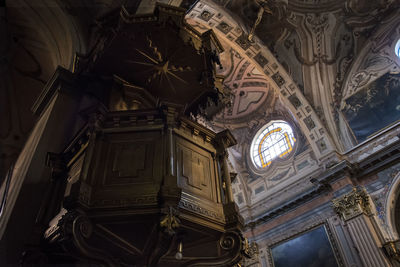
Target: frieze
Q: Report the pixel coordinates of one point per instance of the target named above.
(119, 119)
(201, 210)
(132, 201)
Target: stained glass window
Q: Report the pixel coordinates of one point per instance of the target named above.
(274, 140)
(397, 48)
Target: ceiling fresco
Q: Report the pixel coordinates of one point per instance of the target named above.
(230, 30)
(374, 107)
(249, 86)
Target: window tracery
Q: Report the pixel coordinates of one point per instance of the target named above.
(274, 140)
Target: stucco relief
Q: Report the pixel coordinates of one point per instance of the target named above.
(376, 58)
(249, 86)
(373, 67)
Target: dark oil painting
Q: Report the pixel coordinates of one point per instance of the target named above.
(311, 249)
(374, 107)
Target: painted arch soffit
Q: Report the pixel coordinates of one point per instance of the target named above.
(256, 63)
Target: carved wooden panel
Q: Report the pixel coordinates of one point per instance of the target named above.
(126, 169)
(129, 161)
(196, 172)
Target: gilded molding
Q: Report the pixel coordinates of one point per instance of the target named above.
(392, 250)
(170, 221)
(352, 204)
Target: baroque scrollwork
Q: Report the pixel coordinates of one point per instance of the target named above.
(250, 249)
(73, 232)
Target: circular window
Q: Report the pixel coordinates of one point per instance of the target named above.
(397, 48)
(274, 140)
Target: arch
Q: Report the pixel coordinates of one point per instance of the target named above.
(392, 200)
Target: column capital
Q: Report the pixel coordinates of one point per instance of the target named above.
(352, 204)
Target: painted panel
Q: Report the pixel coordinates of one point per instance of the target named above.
(374, 107)
(311, 249)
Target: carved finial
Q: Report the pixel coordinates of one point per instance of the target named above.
(170, 222)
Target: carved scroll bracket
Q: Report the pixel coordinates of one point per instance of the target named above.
(73, 232)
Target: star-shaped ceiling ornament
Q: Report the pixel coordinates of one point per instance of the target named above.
(160, 66)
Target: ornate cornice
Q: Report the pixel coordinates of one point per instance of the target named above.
(352, 204)
(322, 186)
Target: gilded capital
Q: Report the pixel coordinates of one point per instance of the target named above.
(352, 204)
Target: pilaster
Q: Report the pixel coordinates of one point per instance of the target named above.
(355, 210)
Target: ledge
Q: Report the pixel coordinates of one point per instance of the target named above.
(61, 75)
(323, 185)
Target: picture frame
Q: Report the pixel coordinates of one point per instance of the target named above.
(313, 247)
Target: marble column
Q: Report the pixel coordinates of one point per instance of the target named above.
(355, 210)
